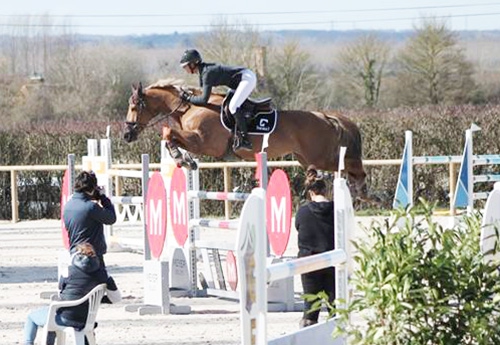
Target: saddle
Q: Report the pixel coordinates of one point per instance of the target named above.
(261, 115)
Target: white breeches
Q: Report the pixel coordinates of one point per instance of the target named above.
(243, 91)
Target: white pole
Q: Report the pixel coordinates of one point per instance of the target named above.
(193, 182)
(470, 179)
(71, 167)
(409, 164)
(144, 185)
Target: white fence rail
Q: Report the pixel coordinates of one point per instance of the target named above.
(225, 166)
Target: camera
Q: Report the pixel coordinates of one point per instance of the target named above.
(97, 193)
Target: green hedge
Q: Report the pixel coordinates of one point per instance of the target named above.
(436, 131)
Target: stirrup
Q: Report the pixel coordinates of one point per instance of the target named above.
(242, 142)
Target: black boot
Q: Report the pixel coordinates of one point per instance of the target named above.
(241, 140)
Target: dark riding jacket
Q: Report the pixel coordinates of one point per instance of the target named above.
(215, 75)
(84, 219)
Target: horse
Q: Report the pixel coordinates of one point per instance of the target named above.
(313, 137)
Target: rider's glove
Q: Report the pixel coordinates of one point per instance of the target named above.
(185, 96)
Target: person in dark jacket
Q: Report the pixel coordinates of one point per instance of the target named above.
(314, 222)
(84, 274)
(86, 213)
(242, 80)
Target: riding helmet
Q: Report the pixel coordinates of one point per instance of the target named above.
(190, 56)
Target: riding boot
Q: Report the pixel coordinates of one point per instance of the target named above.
(242, 141)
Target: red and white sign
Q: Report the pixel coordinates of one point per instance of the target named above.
(179, 206)
(64, 199)
(278, 211)
(232, 271)
(156, 214)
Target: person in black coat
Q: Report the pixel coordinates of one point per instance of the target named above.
(84, 274)
(314, 222)
(85, 214)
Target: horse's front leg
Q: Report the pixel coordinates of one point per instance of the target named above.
(180, 158)
(172, 147)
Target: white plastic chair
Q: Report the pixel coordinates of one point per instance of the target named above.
(94, 298)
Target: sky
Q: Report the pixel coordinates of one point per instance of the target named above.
(127, 17)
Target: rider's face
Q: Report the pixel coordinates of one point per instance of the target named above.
(190, 68)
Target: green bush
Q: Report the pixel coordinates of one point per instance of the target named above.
(438, 130)
(422, 283)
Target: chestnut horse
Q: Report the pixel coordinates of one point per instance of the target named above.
(313, 137)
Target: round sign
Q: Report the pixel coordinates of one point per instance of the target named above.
(278, 211)
(179, 206)
(64, 199)
(156, 214)
(232, 271)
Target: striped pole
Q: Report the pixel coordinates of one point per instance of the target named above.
(205, 195)
(214, 223)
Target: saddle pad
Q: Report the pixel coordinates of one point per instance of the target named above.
(258, 124)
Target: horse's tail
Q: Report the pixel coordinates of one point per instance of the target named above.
(349, 134)
(357, 142)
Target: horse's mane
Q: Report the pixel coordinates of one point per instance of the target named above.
(179, 85)
(167, 83)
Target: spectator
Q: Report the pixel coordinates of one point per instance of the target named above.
(315, 227)
(84, 274)
(86, 213)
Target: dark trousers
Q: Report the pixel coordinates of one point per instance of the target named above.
(313, 283)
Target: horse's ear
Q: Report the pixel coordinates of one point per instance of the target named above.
(139, 88)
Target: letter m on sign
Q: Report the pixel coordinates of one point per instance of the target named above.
(155, 217)
(179, 216)
(278, 215)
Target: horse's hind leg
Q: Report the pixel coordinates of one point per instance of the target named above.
(357, 176)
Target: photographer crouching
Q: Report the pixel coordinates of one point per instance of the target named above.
(86, 213)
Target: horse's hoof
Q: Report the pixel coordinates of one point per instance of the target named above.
(189, 165)
(370, 199)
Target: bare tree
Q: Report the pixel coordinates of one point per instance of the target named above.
(292, 78)
(433, 68)
(93, 81)
(228, 43)
(363, 65)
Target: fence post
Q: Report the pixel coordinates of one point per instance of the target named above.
(13, 196)
(452, 181)
(227, 186)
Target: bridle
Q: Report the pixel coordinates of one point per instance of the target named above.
(141, 105)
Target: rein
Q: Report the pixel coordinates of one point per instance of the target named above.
(163, 116)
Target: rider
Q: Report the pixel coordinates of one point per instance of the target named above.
(240, 79)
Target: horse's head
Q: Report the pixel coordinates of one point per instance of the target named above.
(137, 116)
(163, 97)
